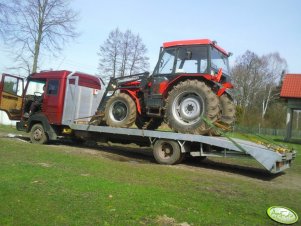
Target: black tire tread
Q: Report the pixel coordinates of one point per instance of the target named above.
(212, 106)
(177, 157)
(228, 109)
(44, 138)
(131, 118)
(148, 123)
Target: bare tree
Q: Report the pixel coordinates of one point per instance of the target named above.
(109, 52)
(122, 54)
(126, 51)
(275, 66)
(138, 59)
(257, 79)
(41, 25)
(247, 77)
(5, 11)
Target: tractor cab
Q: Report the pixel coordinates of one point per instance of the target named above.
(192, 57)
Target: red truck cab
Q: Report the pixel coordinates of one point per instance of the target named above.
(69, 97)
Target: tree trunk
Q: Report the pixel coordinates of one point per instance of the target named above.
(36, 55)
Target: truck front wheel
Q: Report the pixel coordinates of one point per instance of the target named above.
(167, 152)
(120, 111)
(38, 135)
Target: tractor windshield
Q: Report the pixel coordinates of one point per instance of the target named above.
(185, 59)
(192, 59)
(219, 60)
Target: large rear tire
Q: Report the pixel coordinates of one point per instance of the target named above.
(188, 103)
(228, 112)
(228, 109)
(120, 111)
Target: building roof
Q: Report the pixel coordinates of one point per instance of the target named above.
(291, 87)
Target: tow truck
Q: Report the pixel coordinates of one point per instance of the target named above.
(71, 100)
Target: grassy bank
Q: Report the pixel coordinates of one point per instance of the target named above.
(56, 184)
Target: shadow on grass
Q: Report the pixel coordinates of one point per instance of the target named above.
(257, 173)
(145, 156)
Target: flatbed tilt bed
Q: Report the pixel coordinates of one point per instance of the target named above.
(163, 144)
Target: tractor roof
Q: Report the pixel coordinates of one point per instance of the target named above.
(194, 42)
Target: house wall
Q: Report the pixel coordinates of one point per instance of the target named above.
(4, 120)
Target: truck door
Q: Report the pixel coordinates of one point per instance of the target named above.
(11, 92)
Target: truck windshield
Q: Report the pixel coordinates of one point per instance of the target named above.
(35, 88)
(219, 60)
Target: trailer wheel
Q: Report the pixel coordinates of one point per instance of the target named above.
(120, 111)
(38, 135)
(187, 103)
(167, 152)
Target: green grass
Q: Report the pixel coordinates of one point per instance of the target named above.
(5, 129)
(56, 185)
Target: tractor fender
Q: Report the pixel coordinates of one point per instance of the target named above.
(231, 93)
(222, 88)
(135, 98)
(225, 88)
(42, 119)
(183, 77)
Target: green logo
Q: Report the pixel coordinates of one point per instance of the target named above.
(282, 215)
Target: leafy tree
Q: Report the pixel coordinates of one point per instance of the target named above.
(122, 53)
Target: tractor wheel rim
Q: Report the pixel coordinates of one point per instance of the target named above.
(187, 108)
(118, 111)
(37, 135)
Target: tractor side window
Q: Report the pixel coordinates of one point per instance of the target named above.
(167, 61)
(53, 87)
(219, 60)
(10, 85)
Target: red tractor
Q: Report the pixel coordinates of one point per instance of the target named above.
(189, 86)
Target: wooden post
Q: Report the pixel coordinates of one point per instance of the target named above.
(289, 122)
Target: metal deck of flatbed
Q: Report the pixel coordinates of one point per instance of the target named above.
(272, 161)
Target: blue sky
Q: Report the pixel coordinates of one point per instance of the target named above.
(262, 26)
